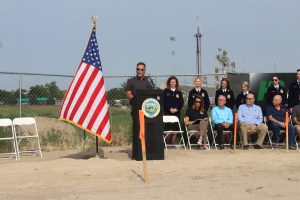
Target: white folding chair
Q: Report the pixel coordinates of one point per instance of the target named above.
(4, 137)
(18, 122)
(173, 119)
(192, 133)
(215, 134)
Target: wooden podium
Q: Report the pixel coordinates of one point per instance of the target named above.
(153, 125)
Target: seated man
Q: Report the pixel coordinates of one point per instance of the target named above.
(276, 118)
(222, 119)
(251, 121)
(296, 117)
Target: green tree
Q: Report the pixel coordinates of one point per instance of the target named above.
(115, 93)
(53, 92)
(49, 91)
(35, 92)
(7, 98)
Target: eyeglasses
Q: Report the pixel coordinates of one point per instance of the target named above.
(249, 98)
(140, 69)
(197, 101)
(275, 79)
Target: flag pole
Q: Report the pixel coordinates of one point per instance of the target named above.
(97, 147)
(94, 20)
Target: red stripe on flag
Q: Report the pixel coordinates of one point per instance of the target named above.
(97, 111)
(103, 123)
(84, 92)
(68, 90)
(108, 136)
(78, 83)
(91, 101)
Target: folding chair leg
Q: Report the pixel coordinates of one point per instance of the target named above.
(214, 138)
(164, 138)
(15, 148)
(270, 141)
(207, 141)
(39, 145)
(182, 141)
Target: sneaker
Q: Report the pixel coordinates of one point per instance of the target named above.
(257, 146)
(246, 147)
(276, 145)
(293, 147)
(206, 148)
(199, 142)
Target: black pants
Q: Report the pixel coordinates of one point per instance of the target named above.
(220, 128)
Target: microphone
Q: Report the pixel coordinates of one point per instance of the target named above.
(151, 83)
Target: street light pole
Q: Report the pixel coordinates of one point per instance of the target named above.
(275, 66)
(172, 39)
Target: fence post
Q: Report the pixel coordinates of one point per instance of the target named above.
(20, 94)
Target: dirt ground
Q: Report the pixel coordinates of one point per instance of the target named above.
(184, 174)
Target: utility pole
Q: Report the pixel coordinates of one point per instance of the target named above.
(198, 36)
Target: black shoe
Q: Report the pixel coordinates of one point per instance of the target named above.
(245, 147)
(276, 145)
(221, 146)
(257, 146)
(293, 147)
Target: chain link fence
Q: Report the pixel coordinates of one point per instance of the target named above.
(41, 95)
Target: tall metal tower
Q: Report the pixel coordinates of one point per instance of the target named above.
(198, 36)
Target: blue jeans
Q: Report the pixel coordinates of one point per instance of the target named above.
(276, 132)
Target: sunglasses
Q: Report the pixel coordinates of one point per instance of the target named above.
(249, 98)
(140, 69)
(275, 79)
(197, 101)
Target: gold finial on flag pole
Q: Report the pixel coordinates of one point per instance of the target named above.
(94, 19)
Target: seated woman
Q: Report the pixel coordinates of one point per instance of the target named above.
(196, 119)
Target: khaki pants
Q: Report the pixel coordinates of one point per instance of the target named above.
(202, 128)
(297, 131)
(245, 129)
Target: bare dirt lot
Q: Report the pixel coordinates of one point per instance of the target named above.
(190, 174)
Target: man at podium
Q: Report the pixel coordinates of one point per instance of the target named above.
(139, 82)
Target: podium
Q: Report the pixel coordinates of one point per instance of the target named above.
(149, 100)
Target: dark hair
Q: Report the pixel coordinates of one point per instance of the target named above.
(202, 109)
(225, 79)
(298, 70)
(169, 80)
(141, 63)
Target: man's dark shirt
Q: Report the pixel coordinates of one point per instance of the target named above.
(296, 112)
(203, 93)
(277, 114)
(294, 92)
(136, 83)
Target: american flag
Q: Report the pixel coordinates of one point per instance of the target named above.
(85, 103)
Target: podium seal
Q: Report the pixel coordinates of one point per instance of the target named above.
(151, 107)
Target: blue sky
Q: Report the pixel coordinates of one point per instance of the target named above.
(41, 36)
